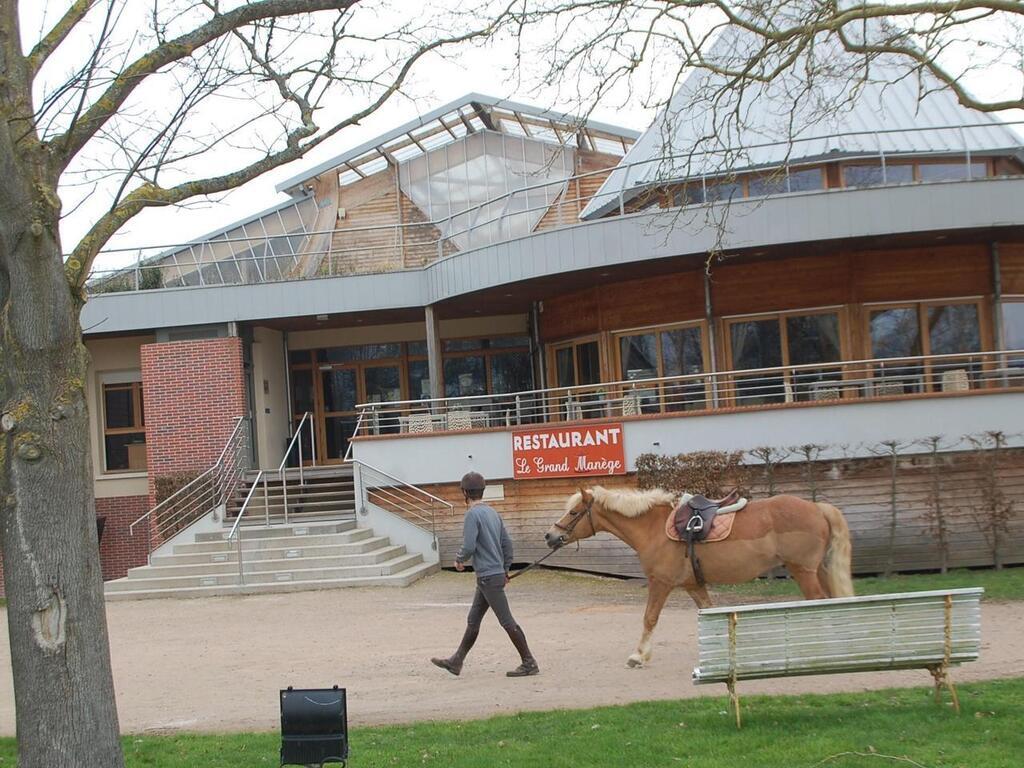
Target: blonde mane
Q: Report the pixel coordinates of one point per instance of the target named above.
(628, 503)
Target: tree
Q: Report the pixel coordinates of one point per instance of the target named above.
(125, 97)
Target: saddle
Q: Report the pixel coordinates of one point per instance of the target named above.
(694, 521)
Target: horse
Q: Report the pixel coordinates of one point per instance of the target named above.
(811, 539)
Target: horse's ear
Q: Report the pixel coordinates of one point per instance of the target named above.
(584, 495)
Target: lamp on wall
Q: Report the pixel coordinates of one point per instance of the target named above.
(314, 726)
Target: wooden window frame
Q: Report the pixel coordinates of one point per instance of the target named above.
(839, 310)
(915, 164)
(572, 343)
(138, 421)
(485, 352)
(657, 330)
(984, 329)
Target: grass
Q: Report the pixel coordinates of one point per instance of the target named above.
(838, 731)
(1007, 584)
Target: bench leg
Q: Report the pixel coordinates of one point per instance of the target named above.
(734, 699)
(941, 677)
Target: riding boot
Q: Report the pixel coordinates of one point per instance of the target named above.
(529, 664)
(454, 662)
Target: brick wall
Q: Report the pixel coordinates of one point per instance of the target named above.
(118, 550)
(193, 393)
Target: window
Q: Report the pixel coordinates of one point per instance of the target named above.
(780, 341)
(922, 330)
(872, 175)
(662, 353)
(578, 363)
(956, 171)
(492, 366)
(124, 428)
(1013, 332)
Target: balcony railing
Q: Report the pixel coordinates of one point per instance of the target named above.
(822, 383)
(404, 246)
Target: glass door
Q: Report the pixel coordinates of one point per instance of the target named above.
(340, 394)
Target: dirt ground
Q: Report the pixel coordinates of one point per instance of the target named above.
(217, 664)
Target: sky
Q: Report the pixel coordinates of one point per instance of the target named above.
(436, 80)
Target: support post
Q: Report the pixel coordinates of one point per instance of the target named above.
(434, 354)
(733, 696)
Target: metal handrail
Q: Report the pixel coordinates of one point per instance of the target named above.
(283, 473)
(236, 530)
(205, 492)
(712, 390)
(348, 451)
(470, 211)
(401, 497)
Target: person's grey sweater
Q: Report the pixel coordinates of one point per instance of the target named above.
(485, 541)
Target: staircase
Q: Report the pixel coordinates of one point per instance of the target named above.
(320, 547)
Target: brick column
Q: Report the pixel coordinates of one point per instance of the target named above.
(193, 392)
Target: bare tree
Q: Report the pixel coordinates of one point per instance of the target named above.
(890, 449)
(769, 457)
(996, 511)
(126, 98)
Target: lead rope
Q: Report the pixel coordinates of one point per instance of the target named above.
(538, 561)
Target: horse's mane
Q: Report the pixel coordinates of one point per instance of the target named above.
(628, 503)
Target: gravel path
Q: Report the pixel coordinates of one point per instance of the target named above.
(217, 664)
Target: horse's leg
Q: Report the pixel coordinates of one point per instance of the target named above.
(700, 596)
(808, 582)
(823, 579)
(657, 594)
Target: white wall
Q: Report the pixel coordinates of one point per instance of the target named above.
(445, 458)
(270, 401)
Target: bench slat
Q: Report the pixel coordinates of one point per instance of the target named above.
(875, 632)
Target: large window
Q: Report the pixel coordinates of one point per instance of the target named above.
(494, 366)
(925, 329)
(777, 341)
(872, 174)
(578, 363)
(124, 427)
(1013, 332)
(661, 353)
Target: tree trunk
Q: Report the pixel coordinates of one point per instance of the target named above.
(63, 688)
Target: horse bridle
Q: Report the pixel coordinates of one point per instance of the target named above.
(585, 512)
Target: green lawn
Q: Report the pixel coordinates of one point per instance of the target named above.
(778, 732)
(1007, 584)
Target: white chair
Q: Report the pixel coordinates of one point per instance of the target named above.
(955, 380)
(631, 404)
(458, 421)
(420, 423)
(827, 393)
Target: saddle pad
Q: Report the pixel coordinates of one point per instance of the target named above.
(721, 526)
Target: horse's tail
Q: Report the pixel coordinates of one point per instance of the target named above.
(838, 556)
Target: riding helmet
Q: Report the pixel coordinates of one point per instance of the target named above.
(473, 481)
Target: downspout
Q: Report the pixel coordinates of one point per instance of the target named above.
(709, 318)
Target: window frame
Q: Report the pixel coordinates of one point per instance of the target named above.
(658, 330)
(788, 385)
(138, 421)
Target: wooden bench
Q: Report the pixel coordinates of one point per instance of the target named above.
(912, 630)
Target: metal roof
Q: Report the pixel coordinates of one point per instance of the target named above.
(798, 117)
(473, 112)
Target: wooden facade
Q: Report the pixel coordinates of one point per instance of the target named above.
(861, 488)
(850, 283)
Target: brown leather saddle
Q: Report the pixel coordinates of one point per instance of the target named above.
(693, 520)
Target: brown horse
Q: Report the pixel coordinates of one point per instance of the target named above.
(810, 539)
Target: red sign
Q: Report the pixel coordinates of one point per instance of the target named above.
(568, 451)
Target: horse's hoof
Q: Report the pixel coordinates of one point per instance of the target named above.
(634, 662)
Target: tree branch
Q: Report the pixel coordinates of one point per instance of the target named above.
(70, 143)
(42, 50)
(151, 195)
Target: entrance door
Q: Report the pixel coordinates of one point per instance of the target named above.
(342, 387)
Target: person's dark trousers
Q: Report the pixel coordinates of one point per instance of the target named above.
(490, 593)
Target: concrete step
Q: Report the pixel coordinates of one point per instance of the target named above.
(324, 573)
(401, 579)
(277, 531)
(277, 493)
(323, 505)
(273, 542)
(275, 553)
(294, 518)
(303, 560)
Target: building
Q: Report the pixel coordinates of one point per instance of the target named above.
(419, 302)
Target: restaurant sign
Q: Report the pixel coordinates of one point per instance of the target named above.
(568, 451)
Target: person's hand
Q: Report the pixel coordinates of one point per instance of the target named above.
(507, 578)
(459, 566)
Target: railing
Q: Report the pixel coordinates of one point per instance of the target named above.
(396, 496)
(202, 495)
(282, 472)
(236, 529)
(826, 382)
(397, 247)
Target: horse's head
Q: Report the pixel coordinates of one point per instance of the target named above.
(577, 522)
